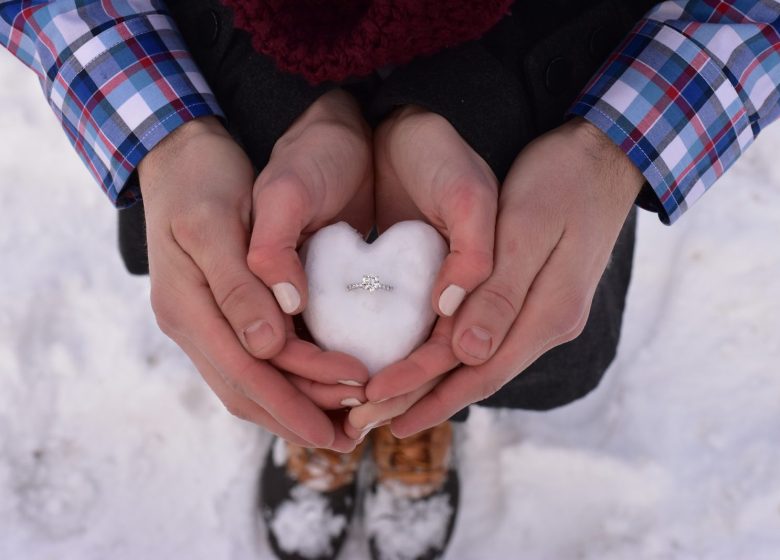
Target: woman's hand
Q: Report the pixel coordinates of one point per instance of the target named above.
(425, 170)
(561, 209)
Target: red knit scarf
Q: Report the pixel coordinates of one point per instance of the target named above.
(327, 40)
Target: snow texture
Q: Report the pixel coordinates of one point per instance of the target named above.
(404, 528)
(305, 524)
(112, 447)
(382, 326)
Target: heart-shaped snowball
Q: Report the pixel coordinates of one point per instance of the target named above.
(372, 301)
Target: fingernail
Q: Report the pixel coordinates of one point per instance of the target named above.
(367, 429)
(350, 383)
(259, 335)
(476, 342)
(450, 299)
(288, 297)
(351, 402)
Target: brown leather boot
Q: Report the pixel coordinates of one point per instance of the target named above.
(307, 499)
(411, 508)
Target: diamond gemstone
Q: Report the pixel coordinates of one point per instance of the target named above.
(370, 282)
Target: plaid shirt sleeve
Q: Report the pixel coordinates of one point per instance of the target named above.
(688, 91)
(115, 72)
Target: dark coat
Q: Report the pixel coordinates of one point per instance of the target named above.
(500, 92)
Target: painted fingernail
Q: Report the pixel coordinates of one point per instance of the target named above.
(287, 296)
(258, 335)
(350, 383)
(450, 299)
(476, 342)
(351, 402)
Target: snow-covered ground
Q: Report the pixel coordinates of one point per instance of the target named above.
(112, 448)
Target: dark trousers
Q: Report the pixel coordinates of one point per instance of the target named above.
(499, 93)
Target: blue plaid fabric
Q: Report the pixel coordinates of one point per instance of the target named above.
(115, 72)
(684, 95)
(688, 91)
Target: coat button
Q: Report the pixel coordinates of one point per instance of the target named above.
(599, 44)
(208, 28)
(558, 75)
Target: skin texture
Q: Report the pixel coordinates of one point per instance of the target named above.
(219, 237)
(559, 214)
(224, 266)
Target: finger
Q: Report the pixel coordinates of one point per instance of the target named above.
(469, 214)
(203, 324)
(282, 209)
(554, 312)
(329, 397)
(523, 245)
(218, 246)
(238, 405)
(433, 358)
(366, 417)
(342, 442)
(309, 361)
(264, 384)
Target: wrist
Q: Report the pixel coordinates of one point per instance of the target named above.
(175, 146)
(610, 157)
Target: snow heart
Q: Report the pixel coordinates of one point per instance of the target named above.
(372, 301)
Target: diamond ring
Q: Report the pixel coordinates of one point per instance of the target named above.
(369, 283)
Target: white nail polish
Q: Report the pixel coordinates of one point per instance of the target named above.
(450, 299)
(367, 429)
(350, 383)
(287, 296)
(351, 402)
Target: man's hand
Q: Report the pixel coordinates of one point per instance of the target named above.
(561, 209)
(197, 187)
(425, 170)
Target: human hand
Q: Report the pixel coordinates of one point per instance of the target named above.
(425, 170)
(561, 209)
(197, 187)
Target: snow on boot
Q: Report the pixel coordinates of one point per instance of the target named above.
(307, 498)
(410, 510)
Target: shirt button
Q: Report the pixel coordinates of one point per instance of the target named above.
(558, 75)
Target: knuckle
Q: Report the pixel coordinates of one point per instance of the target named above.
(190, 228)
(480, 264)
(567, 319)
(261, 257)
(165, 312)
(238, 410)
(501, 298)
(489, 388)
(235, 295)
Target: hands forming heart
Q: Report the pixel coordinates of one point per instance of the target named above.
(518, 277)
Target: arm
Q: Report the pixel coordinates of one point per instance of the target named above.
(129, 96)
(687, 92)
(686, 100)
(117, 75)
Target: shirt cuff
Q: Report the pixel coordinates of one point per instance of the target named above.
(671, 108)
(121, 91)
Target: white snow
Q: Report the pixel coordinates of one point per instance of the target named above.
(405, 528)
(112, 447)
(305, 524)
(378, 326)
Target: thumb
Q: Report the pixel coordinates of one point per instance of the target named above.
(282, 210)
(469, 216)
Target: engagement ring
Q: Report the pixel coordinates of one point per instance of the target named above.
(369, 283)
